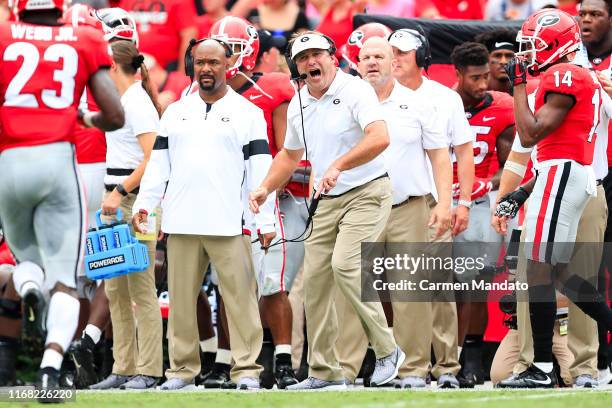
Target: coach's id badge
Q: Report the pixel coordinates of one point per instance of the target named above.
(151, 235)
(563, 326)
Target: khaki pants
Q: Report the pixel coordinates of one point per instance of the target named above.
(507, 356)
(137, 339)
(411, 320)
(582, 330)
(188, 259)
(333, 254)
(445, 330)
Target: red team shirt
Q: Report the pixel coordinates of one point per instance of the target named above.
(90, 143)
(43, 74)
(575, 138)
(488, 120)
(279, 89)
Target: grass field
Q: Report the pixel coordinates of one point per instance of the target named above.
(355, 399)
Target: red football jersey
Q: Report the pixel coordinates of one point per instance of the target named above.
(276, 89)
(488, 120)
(43, 74)
(270, 90)
(90, 143)
(575, 138)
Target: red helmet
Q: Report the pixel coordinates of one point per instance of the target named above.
(81, 14)
(547, 36)
(19, 6)
(117, 24)
(359, 36)
(242, 37)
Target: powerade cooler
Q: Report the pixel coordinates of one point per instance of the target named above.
(112, 251)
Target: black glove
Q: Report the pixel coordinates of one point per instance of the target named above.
(510, 204)
(517, 71)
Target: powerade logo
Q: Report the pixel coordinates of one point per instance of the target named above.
(90, 249)
(103, 243)
(103, 263)
(117, 239)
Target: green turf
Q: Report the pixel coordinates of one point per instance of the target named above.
(357, 399)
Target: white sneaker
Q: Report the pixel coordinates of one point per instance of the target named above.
(604, 376)
(312, 383)
(248, 383)
(585, 381)
(386, 368)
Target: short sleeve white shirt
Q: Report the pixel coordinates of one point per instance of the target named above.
(333, 125)
(123, 151)
(412, 129)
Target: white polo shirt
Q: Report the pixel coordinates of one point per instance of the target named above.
(412, 129)
(206, 153)
(333, 125)
(448, 108)
(123, 151)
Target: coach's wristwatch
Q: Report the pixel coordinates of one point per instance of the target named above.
(121, 190)
(465, 203)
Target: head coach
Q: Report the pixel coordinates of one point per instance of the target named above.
(343, 135)
(209, 143)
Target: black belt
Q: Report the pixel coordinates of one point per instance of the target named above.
(119, 172)
(327, 197)
(405, 201)
(111, 187)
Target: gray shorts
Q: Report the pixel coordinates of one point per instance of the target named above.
(43, 209)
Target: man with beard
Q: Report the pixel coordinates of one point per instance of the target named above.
(209, 143)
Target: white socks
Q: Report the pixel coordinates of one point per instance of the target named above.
(51, 358)
(93, 332)
(27, 275)
(546, 367)
(209, 345)
(62, 319)
(223, 357)
(282, 349)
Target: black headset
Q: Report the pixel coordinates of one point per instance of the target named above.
(423, 53)
(295, 75)
(189, 70)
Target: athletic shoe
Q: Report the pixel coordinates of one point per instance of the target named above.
(228, 385)
(34, 314)
(266, 360)
(368, 366)
(585, 381)
(604, 376)
(532, 377)
(387, 367)
(48, 380)
(110, 382)
(284, 376)
(207, 360)
(82, 354)
(312, 383)
(411, 381)
(173, 384)
(448, 380)
(466, 379)
(218, 376)
(139, 382)
(248, 383)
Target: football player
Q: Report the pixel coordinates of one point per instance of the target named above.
(277, 267)
(563, 127)
(359, 37)
(501, 44)
(46, 66)
(491, 119)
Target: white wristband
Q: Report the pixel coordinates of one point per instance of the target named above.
(87, 119)
(515, 168)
